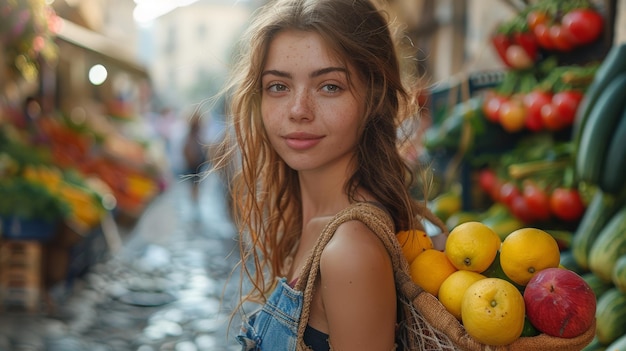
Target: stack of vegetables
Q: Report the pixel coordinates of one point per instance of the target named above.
(34, 190)
(599, 243)
(562, 103)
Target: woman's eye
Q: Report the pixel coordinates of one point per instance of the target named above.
(331, 88)
(276, 87)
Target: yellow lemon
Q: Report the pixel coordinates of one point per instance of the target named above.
(413, 243)
(452, 289)
(444, 205)
(493, 311)
(430, 269)
(472, 246)
(526, 251)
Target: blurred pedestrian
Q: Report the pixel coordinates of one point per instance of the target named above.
(316, 102)
(194, 152)
(164, 126)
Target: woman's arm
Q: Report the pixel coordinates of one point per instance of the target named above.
(358, 290)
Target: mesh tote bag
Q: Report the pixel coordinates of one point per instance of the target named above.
(424, 323)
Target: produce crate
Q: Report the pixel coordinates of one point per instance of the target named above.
(442, 96)
(442, 99)
(20, 275)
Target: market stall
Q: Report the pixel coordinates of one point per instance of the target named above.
(73, 160)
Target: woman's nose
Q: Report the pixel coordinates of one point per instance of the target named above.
(300, 109)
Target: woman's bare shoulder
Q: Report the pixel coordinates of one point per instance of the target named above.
(354, 248)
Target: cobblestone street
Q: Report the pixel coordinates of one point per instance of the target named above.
(166, 288)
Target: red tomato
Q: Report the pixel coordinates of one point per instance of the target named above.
(528, 42)
(534, 101)
(565, 104)
(517, 57)
(534, 18)
(583, 25)
(566, 204)
(491, 106)
(508, 192)
(512, 115)
(501, 42)
(521, 210)
(560, 38)
(538, 200)
(551, 120)
(542, 35)
(487, 179)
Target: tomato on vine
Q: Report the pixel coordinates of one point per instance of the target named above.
(550, 118)
(560, 38)
(542, 35)
(565, 105)
(566, 204)
(537, 199)
(534, 101)
(487, 180)
(536, 17)
(583, 25)
(491, 106)
(512, 115)
(508, 192)
(522, 210)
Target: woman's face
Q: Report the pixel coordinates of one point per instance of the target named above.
(311, 113)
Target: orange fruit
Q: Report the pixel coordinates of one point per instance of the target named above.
(452, 289)
(472, 246)
(430, 269)
(526, 251)
(413, 243)
(493, 311)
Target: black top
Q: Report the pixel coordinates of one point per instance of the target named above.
(315, 339)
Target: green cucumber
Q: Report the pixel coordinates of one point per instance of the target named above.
(567, 261)
(614, 62)
(599, 211)
(610, 316)
(601, 123)
(609, 246)
(618, 275)
(612, 178)
(594, 345)
(617, 345)
(598, 285)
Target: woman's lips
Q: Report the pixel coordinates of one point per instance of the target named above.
(302, 141)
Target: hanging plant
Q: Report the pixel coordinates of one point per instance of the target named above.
(27, 31)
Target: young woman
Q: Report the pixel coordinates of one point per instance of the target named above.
(316, 106)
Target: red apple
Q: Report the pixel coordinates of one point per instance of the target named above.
(560, 303)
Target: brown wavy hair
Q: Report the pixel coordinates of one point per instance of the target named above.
(265, 190)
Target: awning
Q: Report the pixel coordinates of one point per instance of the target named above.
(100, 44)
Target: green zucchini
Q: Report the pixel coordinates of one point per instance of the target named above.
(609, 246)
(602, 120)
(599, 211)
(610, 316)
(612, 178)
(614, 62)
(619, 274)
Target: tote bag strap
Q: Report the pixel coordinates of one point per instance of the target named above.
(382, 225)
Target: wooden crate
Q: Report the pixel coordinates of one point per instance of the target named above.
(20, 275)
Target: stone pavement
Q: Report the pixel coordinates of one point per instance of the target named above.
(166, 288)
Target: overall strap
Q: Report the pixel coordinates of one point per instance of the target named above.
(379, 222)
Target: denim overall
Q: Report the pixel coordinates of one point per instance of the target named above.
(275, 326)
